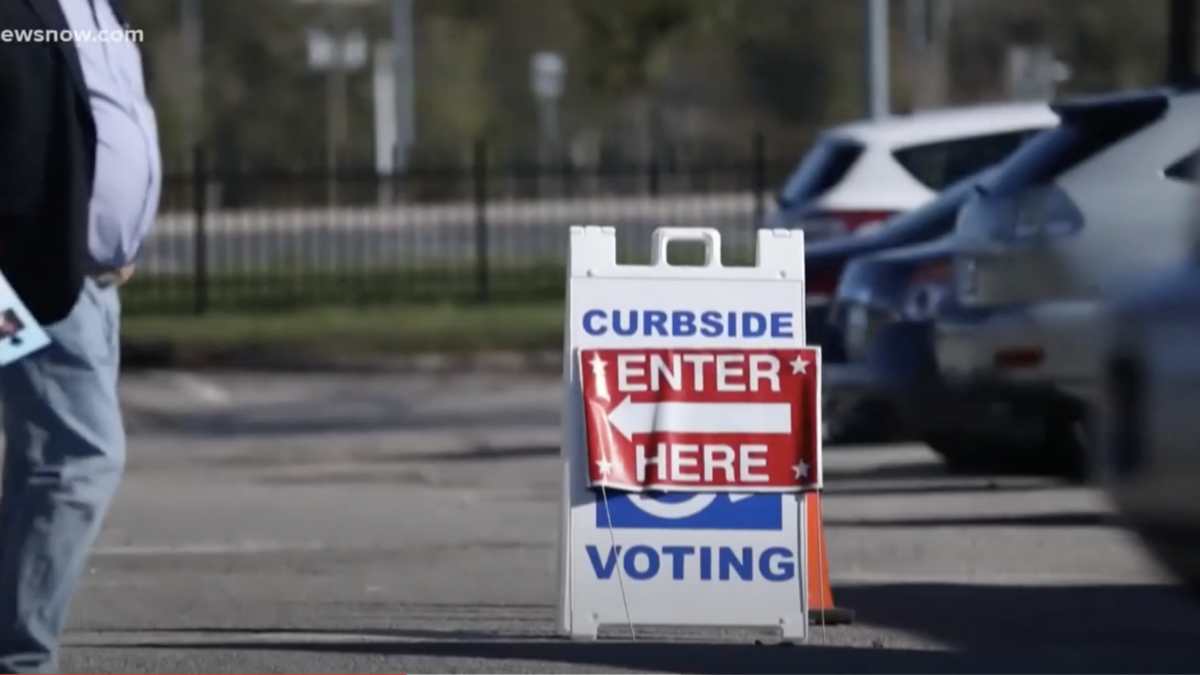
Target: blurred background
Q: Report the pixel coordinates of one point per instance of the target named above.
(359, 152)
(379, 193)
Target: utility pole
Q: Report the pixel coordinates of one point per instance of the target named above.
(336, 50)
(335, 101)
(878, 75)
(928, 27)
(404, 78)
(1181, 41)
(547, 79)
(191, 28)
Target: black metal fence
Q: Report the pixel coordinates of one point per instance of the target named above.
(482, 231)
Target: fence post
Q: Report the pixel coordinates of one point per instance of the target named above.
(479, 173)
(759, 178)
(653, 176)
(200, 232)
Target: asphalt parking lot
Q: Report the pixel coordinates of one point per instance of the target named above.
(407, 524)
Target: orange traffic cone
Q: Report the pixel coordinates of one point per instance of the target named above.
(821, 609)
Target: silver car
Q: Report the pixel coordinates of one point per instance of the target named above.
(1090, 208)
(1149, 459)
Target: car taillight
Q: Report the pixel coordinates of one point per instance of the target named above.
(833, 224)
(927, 288)
(820, 286)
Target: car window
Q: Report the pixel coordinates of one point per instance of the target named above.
(938, 217)
(1082, 134)
(825, 165)
(937, 165)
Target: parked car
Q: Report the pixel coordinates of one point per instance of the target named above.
(884, 310)
(1149, 457)
(858, 175)
(1097, 205)
(888, 284)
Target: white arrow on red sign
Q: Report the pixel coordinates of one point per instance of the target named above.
(696, 420)
(630, 418)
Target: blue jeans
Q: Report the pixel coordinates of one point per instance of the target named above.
(64, 456)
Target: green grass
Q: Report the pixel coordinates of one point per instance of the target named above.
(401, 329)
(274, 291)
(427, 307)
(291, 288)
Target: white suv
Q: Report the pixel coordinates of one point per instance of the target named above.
(858, 175)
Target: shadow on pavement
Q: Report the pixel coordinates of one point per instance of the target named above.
(928, 469)
(992, 629)
(1083, 519)
(480, 454)
(676, 657)
(327, 417)
(1109, 619)
(925, 489)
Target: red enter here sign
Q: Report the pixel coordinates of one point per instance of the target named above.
(702, 420)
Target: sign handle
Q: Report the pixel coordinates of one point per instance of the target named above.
(663, 237)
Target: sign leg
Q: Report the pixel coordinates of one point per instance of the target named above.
(584, 627)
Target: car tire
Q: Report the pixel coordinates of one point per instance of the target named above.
(870, 422)
(965, 455)
(1065, 451)
(1061, 453)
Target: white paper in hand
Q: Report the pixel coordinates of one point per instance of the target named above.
(20, 334)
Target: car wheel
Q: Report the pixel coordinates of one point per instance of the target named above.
(1064, 452)
(866, 423)
(966, 455)
(1061, 453)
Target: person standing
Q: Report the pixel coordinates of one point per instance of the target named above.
(80, 177)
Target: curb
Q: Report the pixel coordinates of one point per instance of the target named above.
(136, 357)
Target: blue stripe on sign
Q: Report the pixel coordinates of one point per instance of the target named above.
(690, 512)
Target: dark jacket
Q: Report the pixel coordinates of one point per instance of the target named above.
(47, 162)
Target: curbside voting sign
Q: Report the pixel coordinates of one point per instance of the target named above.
(691, 426)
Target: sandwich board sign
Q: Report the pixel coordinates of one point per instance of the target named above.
(691, 430)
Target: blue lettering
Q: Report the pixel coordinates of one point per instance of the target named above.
(777, 564)
(652, 563)
(590, 318)
(743, 566)
(678, 555)
(686, 323)
(712, 324)
(605, 569)
(656, 324)
(753, 325)
(781, 325)
(683, 324)
(625, 331)
(643, 563)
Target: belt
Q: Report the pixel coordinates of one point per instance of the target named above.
(105, 278)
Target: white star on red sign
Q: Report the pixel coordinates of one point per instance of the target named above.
(598, 378)
(801, 470)
(605, 466)
(800, 366)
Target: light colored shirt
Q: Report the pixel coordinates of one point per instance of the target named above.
(128, 181)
